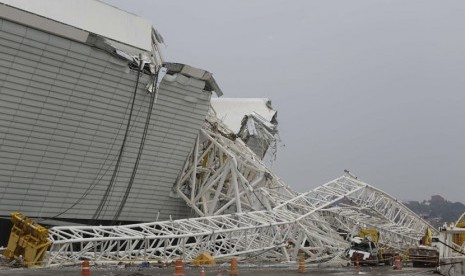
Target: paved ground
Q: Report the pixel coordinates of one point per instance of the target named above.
(194, 271)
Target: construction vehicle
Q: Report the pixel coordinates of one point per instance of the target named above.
(459, 238)
(425, 254)
(28, 242)
(365, 249)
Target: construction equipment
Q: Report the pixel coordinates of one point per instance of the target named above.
(204, 259)
(452, 261)
(427, 239)
(28, 241)
(365, 248)
(459, 238)
(425, 254)
(371, 234)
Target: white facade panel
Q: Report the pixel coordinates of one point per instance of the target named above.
(64, 107)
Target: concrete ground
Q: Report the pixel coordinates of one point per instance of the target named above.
(213, 271)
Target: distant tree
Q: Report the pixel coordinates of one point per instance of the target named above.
(437, 210)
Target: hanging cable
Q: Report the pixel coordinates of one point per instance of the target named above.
(141, 147)
(97, 178)
(458, 251)
(120, 155)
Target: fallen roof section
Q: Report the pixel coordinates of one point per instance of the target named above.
(253, 120)
(232, 110)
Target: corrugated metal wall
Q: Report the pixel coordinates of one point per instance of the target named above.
(63, 113)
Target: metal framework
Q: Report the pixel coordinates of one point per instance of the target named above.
(245, 210)
(310, 223)
(225, 176)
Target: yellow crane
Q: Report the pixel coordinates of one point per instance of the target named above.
(370, 232)
(459, 238)
(28, 241)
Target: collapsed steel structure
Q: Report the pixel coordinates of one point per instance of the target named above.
(245, 210)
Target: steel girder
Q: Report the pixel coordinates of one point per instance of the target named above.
(279, 234)
(297, 225)
(225, 176)
(365, 206)
(245, 209)
(372, 208)
(355, 205)
(221, 236)
(369, 205)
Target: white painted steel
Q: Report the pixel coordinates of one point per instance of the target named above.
(245, 211)
(264, 232)
(299, 222)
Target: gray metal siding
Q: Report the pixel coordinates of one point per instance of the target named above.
(63, 111)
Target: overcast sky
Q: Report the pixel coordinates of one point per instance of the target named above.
(376, 87)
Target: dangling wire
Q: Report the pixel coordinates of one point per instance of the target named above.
(120, 154)
(153, 98)
(98, 177)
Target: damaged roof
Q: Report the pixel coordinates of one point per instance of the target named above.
(232, 110)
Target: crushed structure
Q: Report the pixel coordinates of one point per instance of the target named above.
(97, 128)
(246, 210)
(251, 119)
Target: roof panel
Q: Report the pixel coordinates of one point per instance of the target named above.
(87, 15)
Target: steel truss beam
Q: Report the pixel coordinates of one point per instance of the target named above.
(224, 176)
(374, 203)
(302, 222)
(222, 236)
(245, 210)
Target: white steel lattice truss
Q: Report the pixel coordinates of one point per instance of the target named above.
(245, 210)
